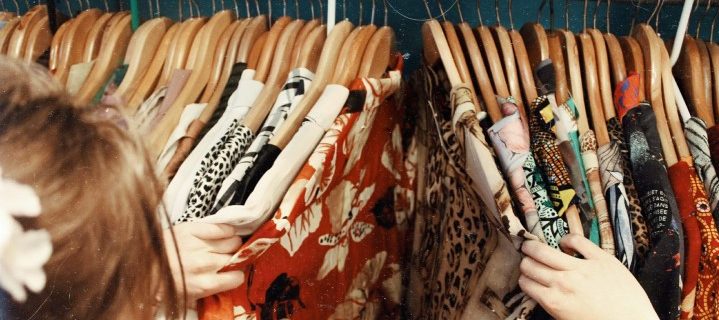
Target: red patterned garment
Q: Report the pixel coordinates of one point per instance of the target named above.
(334, 248)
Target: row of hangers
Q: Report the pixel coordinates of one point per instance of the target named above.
(210, 47)
(25, 36)
(587, 66)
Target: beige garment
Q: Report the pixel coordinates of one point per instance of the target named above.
(77, 75)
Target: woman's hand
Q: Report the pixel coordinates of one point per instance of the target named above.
(597, 287)
(204, 249)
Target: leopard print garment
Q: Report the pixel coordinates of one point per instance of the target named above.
(639, 226)
(215, 167)
(453, 238)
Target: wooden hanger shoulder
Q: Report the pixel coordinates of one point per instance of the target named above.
(281, 57)
(256, 28)
(506, 51)
(152, 74)
(344, 73)
(713, 49)
(706, 71)
(218, 61)
(556, 53)
(529, 88)
(535, 40)
(110, 57)
(325, 72)
(39, 40)
(634, 61)
(616, 59)
(672, 113)
(486, 89)
(18, 40)
(205, 46)
(254, 59)
(179, 52)
(55, 44)
(605, 81)
(264, 64)
(493, 61)
(574, 75)
(309, 56)
(140, 51)
(690, 78)
(301, 37)
(73, 43)
(6, 33)
(591, 83)
(378, 53)
(94, 37)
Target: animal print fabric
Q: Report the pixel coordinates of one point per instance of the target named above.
(458, 243)
(612, 174)
(335, 247)
(661, 274)
(591, 165)
(214, 168)
(695, 131)
(639, 225)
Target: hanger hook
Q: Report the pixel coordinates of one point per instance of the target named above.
(509, 11)
(269, 14)
(654, 12)
(322, 11)
(371, 21)
(2, 6)
(426, 7)
(551, 14)
(606, 16)
(214, 5)
(566, 14)
(257, 7)
(441, 10)
(539, 11)
(197, 8)
(384, 3)
(361, 11)
(594, 14)
(297, 8)
(459, 10)
(496, 12)
(312, 9)
(701, 18)
(479, 14)
(17, 7)
(659, 13)
(284, 8)
(344, 9)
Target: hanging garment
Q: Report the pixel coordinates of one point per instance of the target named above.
(661, 274)
(77, 75)
(591, 165)
(639, 226)
(567, 135)
(197, 129)
(334, 249)
(510, 139)
(190, 114)
(298, 82)
(696, 134)
(689, 200)
(106, 94)
(453, 229)
(612, 175)
(151, 111)
(274, 183)
(239, 104)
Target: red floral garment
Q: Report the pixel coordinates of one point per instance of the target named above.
(334, 248)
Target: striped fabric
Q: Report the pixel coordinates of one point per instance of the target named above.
(696, 133)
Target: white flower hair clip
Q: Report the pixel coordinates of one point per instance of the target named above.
(22, 252)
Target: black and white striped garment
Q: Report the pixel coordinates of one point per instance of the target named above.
(695, 131)
(298, 82)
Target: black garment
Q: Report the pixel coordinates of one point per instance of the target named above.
(230, 88)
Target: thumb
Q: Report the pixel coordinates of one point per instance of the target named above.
(211, 231)
(579, 244)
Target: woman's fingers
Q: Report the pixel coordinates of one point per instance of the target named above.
(538, 271)
(548, 256)
(581, 245)
(211, 231)
(227, 245)
(532, 288)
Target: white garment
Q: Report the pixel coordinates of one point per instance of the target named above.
(190, 113)
(175, 198)
(77, 75)
(274, 183)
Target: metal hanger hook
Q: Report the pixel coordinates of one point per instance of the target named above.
(459, 10)
(386, 12)
(701, 18)
(509, 11)
(297, 8)
(441, 10)
(566, 14)
(606, 16)
(594, 14)
(496, 12)
(361, 11)
(479, 14)
(371, 21)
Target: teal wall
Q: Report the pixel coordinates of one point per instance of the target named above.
(406, 16)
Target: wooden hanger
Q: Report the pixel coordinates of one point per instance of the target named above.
(152, 74)
(256, 28)
(39, 40)
(690, 77)
(6, 33)
(378, 53)
(254, 59)
(647, 39)
(706, 70)
(672, 113)
(524, 67)
(301, 37)
(73, 43)
(591, 84)
(484, 83)
(634, 61)
(573, 71)
(489, 49)
(140, 51)
(556, 53)
(112, 51)
(281, 56)
(204, 45)
(94, 37)
(535, 40)
(713, 49)
(180, 47)
(218, 61)
(605, 81)
(504, 43)
(616, 59)
(16, 46)
(325, 72)
(346, 71)
(310, 53)
(264, 63)
(55, 44)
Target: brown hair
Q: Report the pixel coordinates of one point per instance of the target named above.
(99, 197)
